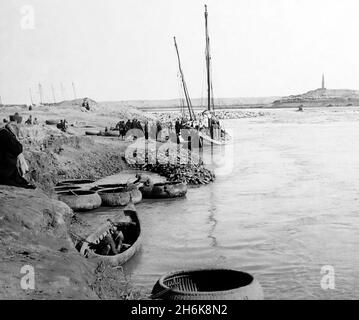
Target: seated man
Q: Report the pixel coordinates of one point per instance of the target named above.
(10, 149)
(118, 239)
(29, 120)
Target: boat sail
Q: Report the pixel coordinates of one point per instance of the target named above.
(212, 132)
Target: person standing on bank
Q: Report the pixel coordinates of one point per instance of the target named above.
(146, 129)
(178, 128)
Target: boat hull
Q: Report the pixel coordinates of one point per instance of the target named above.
(114, 197)
(207, 284)
(164, 190)
(80, 200)
(121, 258)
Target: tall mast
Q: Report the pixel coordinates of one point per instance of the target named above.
(73, 88)
(208, 61)
(53, 93)
(40, 93)
(31, 99)
(188, 99)
(62, 91)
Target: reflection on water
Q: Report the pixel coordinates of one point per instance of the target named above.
(289, 207)
(212, 222)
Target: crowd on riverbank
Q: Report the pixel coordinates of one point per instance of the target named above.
(165, 126)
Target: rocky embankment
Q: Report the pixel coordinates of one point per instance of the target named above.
(221, 114)
(53, 155)
(195, 174)
(320, 98)
(170, 160)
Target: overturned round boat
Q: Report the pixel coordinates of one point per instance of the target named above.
(81, 200)
(114, 197)
(133, 189)
(92, 133)
(52, 122)
(162, 190)
(132, 240)
(207, 284)
(74, 181)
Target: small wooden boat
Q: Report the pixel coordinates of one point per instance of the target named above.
(164, 190)
(81, 200)
(66, 188)
(132, 239)
(207, 284)
(74, 181)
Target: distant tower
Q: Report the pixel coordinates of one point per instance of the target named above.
(323, 82)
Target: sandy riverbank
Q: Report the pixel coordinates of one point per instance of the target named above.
(35, 226)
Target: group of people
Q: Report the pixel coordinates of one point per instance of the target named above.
(159, 129)
(29, 121)
(63, 125)
(148, 129)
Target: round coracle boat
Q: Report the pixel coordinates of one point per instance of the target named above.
(163, 190)
(91, 247)
(114, 197)
(92, 133)
(51, 122)
(135, 193)
(207, 284)
(74, 181)
(81, 200)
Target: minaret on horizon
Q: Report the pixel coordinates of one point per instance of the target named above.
(323, 82)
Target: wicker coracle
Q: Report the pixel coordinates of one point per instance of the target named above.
(135, 193)
(114, 197)
(81, 200)
(207, 284)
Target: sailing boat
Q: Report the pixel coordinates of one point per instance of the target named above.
(212, 133)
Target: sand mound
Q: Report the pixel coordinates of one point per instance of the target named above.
(33, 232)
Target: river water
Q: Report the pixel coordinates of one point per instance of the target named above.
(288, 206)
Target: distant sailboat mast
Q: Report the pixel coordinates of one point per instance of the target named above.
(53, 94)
(184, 85)
(208, 63)
(31, 99)
(40, 94)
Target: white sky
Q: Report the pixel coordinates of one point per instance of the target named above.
(123, 49)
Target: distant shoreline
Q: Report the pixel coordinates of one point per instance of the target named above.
(244, 107)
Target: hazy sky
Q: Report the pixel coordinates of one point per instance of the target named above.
(123, 49)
